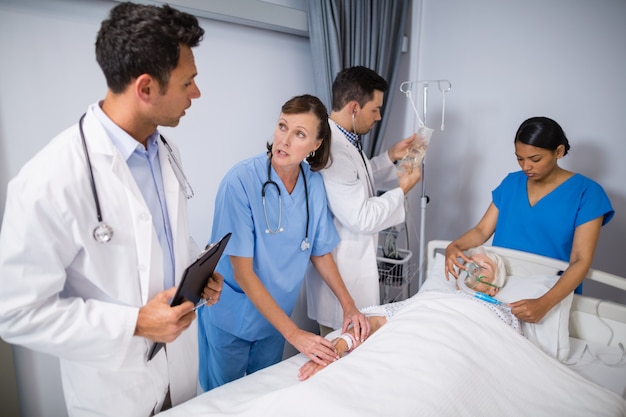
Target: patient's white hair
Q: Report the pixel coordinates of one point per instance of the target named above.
(499, 276)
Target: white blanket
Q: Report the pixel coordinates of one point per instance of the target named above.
(442, 355)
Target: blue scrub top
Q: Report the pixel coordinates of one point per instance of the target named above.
(547, 228)
(278, 260)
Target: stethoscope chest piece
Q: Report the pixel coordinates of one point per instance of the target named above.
(305, 244)
(102, 233)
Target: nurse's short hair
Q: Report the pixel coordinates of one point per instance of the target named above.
(356, 84)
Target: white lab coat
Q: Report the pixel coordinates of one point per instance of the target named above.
(359, 216)
(65, 294)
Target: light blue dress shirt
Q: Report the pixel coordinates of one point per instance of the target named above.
(146, 169)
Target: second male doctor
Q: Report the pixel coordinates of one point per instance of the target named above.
(351, 181)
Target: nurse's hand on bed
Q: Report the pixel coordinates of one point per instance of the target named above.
(530, 311)
(310, 368)
(314, 347)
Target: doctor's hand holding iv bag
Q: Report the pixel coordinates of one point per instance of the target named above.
(414, 154)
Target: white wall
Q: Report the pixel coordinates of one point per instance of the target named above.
(49, 75)
(508, 61)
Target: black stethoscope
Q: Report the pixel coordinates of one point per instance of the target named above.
(305, 245)
(103, 233)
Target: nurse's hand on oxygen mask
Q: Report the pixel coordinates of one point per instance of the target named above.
(455, 259)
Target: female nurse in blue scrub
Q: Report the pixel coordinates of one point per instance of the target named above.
(542, 209)
(275, 206)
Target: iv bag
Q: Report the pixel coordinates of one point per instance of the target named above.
(416, 152)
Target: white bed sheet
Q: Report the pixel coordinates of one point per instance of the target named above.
(602, 364)
(441, 355)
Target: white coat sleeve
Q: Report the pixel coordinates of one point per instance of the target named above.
(384, 171)
(39, 249)
(349, 199)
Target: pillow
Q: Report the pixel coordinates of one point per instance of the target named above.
(435, 276)
(551, 334)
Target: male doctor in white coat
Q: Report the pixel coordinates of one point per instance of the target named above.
(351, 181)
(97, 300)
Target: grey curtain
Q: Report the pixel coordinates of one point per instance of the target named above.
(345, 33)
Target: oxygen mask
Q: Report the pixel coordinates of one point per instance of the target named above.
(472, 277)
(473, 274)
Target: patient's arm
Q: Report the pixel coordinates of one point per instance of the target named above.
(341, 347)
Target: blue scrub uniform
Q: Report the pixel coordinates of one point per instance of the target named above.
(234, 337)
(547, 228)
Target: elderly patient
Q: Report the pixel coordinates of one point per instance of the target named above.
(490, 276)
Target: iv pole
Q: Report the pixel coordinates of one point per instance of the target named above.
(444, 86)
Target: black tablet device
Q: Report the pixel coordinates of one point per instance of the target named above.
(195, 279)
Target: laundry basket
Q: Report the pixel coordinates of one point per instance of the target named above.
(395, 275)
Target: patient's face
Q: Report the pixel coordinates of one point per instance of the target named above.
(487, 271)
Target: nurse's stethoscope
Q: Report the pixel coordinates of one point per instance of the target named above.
(103, 233)
(305, 244)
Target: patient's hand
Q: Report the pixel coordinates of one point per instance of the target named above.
(308, 370)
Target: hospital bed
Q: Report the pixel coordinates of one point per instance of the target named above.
(444, 354)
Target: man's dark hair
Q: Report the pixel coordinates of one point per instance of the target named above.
(356, 83)
(142, 39)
